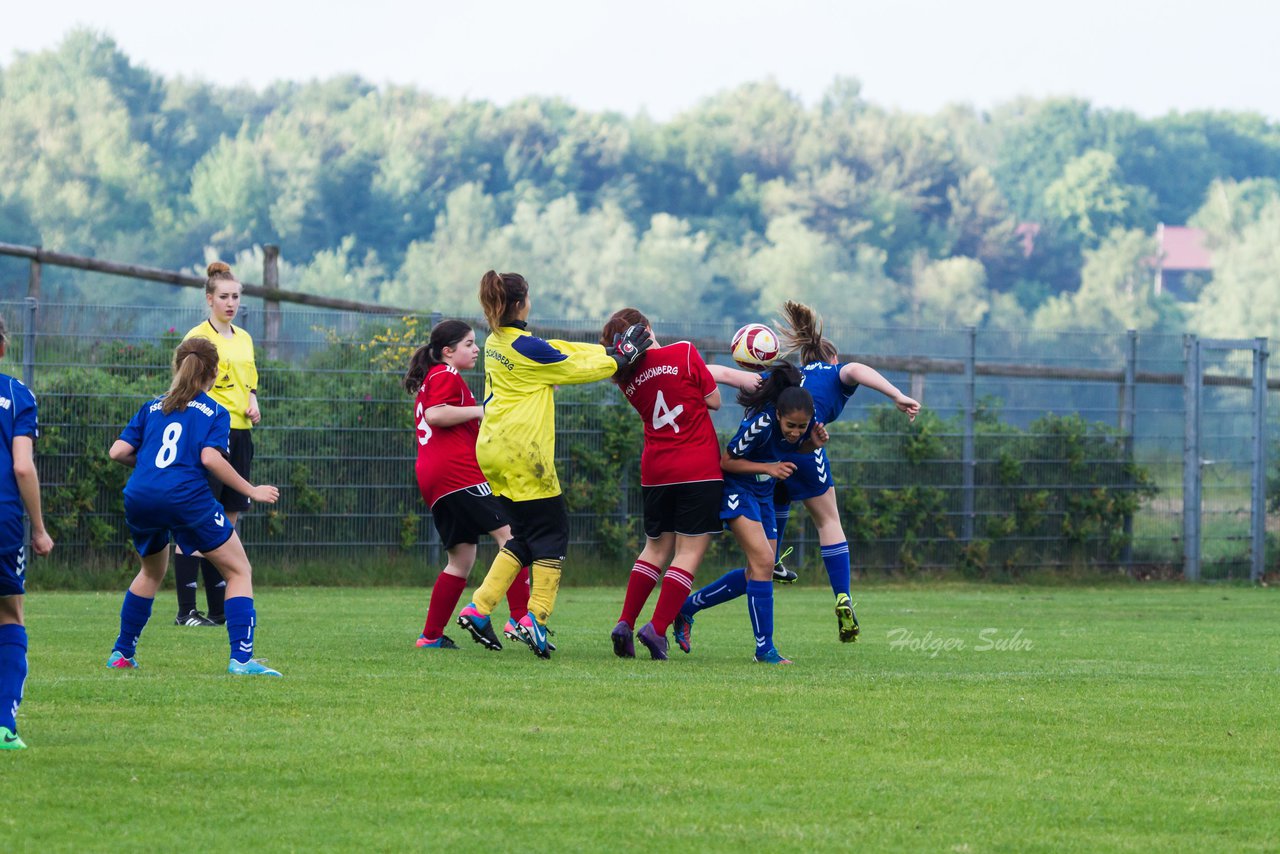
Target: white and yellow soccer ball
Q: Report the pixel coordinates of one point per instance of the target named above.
(755, 347)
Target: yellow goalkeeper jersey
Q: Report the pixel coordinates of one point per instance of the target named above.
(516, 448)
(237, 371)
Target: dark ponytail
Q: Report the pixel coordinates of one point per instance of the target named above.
(783, 376)
(501, 295)
(446, 333)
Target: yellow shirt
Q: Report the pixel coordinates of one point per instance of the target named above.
(516, 448)
(237, 372)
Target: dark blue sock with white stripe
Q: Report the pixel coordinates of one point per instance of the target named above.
(240, 622)
(13, 672)
(760, 607)
(134, 613)
(781, 516)
(836, 559)
(727, 587)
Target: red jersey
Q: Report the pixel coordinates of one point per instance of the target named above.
(446, 455)
(669, 390)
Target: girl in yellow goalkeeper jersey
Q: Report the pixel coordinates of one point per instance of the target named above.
(516, 449)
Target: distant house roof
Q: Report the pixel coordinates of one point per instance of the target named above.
(1183, 248)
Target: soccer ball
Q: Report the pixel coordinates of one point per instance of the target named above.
(755, 347)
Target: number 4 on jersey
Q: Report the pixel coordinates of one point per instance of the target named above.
(662, 416)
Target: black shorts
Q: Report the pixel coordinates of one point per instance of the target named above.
(691, 509)
(465, 515)
(539, 528)
(241, 459)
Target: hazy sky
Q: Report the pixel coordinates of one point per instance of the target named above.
(662, 56)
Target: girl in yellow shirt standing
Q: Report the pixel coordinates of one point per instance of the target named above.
(236, 388)
(516, 449)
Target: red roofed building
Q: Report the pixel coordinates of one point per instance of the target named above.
(1184, 263)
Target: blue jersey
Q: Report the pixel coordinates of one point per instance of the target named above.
(169, 469)
(813, 475)
(759, 440)
(17, 418)
(829, 392)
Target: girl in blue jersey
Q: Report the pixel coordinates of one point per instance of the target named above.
(19, 487)
(170, 444)
(831, 384)
(779, 421)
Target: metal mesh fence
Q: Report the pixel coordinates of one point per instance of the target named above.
(1033, 451)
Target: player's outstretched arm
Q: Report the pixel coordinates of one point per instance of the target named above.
(724, 375)
(218, 466)
(856, 373)
(446, 415)
(123, 453)
(737, 465)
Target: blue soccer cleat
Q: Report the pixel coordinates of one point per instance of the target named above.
(535, 635)
(252, 667)
(771, 656)
(479, 626)
(442, 642)
(682, 628)
(118, 661)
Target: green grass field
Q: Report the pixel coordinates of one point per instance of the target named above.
(968, 718)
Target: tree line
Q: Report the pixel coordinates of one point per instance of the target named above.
(1036, 214)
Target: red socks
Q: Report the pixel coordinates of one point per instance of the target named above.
(643, 578)
(676, 585)
(518, 595)
(444, 598)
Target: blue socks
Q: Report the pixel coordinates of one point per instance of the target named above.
(13, 672)
(836, 559)
(760, 608)
(729, 586)
(134, 614)
(781, 516)
(240, 622)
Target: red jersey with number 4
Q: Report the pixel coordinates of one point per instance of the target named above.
(446, 455)
(669, 390)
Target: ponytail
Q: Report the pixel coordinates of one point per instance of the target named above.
(802, 331)
(501, 295)
(622, 320)
(446, 333)
(782, 376)
(195, 364)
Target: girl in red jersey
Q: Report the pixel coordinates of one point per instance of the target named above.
(462, 505)
(673, 390)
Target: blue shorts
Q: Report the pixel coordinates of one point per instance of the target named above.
(199, 525)
(736, 500)
(812, 477)
(13, 573)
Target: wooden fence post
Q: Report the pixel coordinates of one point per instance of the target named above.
(270, 306)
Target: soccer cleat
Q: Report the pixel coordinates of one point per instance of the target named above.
(480, 627)
(218, 619)
(656, 643)
(513, 632)
(682, 628)
(252, 667)
(771, 656)
(118, 661)
(9, 740)
(782, 575)
(442, 642)
(846, 619)
(624, 643)
(194, 618)
(535, 635)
